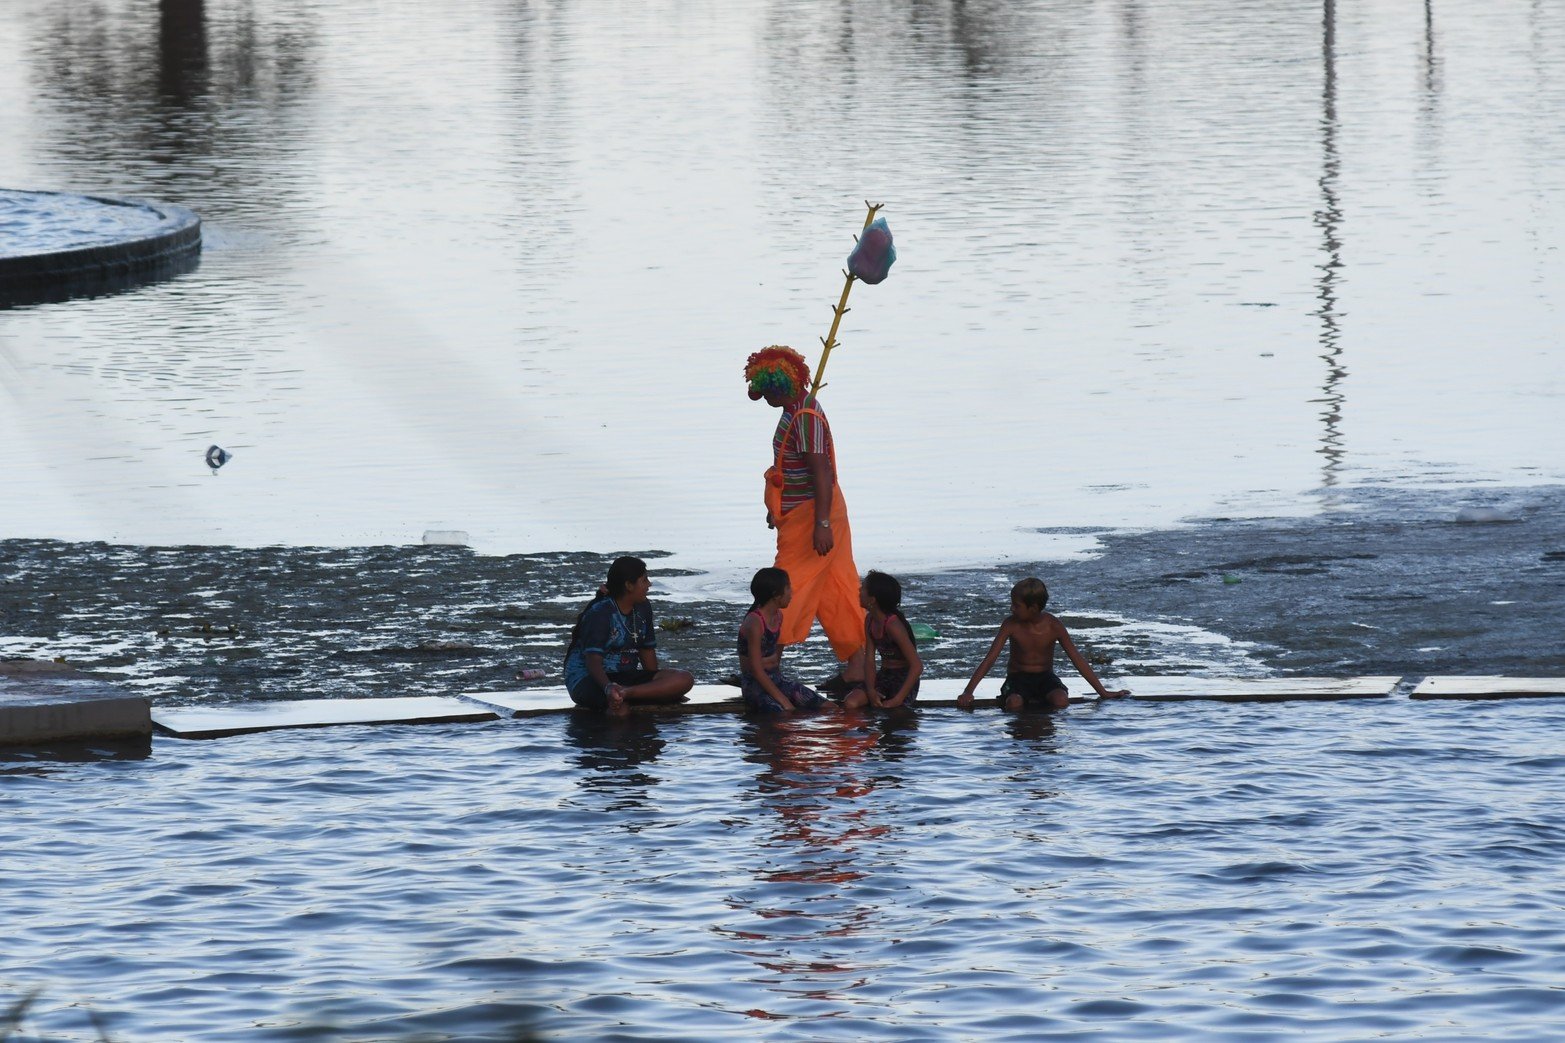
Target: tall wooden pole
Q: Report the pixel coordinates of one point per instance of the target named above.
(830, 340)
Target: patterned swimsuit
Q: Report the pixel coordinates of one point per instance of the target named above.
(758, 698)
(893, 669)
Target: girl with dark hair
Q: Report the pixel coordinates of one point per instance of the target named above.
(612, 659)
(765, 687)
(890, 642)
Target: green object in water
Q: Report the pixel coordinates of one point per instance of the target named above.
(924, 632)
(1230, 579)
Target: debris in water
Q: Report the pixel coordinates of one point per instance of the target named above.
(1483, 515)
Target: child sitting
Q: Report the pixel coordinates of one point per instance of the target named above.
(891, 657)
(760, 658)
(1030, 680)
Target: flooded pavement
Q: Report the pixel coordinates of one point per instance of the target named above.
(1386, 582)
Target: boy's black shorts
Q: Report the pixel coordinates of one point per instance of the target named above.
(1033, 688)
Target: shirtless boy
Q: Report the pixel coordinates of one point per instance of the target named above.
(1030, 680)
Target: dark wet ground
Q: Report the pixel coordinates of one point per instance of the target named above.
(1395, 582)
(1383, 582)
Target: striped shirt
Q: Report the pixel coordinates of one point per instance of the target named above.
(810, 435)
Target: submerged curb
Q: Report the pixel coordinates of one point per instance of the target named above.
(169, 245)
(44, 702)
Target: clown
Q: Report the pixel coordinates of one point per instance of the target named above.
(804, 504)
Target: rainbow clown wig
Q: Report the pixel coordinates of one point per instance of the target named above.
(777, 370)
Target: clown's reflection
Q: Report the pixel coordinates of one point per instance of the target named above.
(822, 837)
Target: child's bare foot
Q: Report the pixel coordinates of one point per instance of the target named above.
(618, 707)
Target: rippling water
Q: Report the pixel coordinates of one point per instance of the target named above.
(1151, 871)
(494, 267)
(474, 268)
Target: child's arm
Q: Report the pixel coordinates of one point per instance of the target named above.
(751, 629)
(596, 670)
(870, 666)
(966, 698)
(915, 665)
(1084, 667)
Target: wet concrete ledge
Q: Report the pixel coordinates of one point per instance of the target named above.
(943, 692)
(167, 244)
(43, 702)
(220, 722)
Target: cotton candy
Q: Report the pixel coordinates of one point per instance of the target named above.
(872, 258)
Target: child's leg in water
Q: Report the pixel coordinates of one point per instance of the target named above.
(1055, 699)
(1039, 691)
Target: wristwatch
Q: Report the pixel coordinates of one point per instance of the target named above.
(824, 523)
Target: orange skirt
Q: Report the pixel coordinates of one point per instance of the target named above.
(824, 587)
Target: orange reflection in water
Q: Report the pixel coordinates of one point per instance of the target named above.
(820, 840)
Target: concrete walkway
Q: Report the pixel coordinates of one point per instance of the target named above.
(50, 702)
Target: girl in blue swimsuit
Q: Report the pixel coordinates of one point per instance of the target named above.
(893, 655)
(760, 658)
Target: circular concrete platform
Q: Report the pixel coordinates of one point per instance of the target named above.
(56, 245)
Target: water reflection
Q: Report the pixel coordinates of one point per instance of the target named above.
(182, 51)
(823, 821)
(813, 781)
(610, 751)
(1035, 728)
(177, 100)
(38, 760)
(1329, 220)
(894, 734)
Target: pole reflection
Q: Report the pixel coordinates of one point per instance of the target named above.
(182, 51)
(1329, 220)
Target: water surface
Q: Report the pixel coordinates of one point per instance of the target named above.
(496, 269)
(1156, 871)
